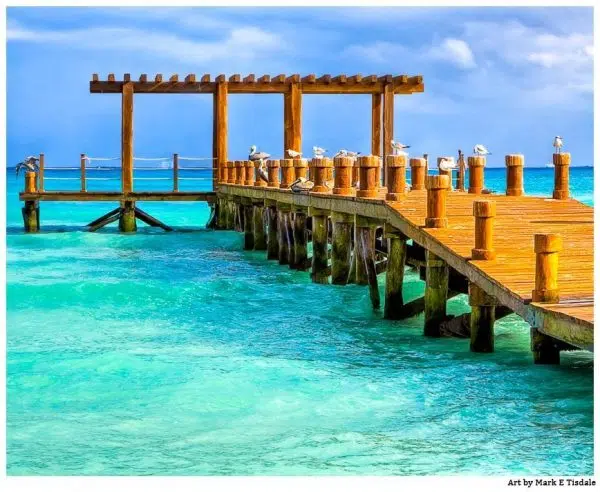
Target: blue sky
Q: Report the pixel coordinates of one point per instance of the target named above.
(510, 78)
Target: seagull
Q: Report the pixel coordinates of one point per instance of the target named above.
(30, 164)
(481, 150)
(257, 156)
(558, 143)
(293, 153)
(301, 184)
(262, 171)
(347, 153)
(318, 152)
(447, 164)
(399, 148)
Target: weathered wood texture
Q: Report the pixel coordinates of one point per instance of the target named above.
(127, 138)
(292, 119)
(219, 130)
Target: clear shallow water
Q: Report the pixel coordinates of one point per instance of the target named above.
(179, 354)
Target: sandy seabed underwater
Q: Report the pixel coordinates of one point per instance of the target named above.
(181, 354)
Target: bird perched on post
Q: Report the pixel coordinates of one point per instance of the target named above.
(257, 156)
(30, 164)
(398, 147)
(481, 150)
(301, 184)
(293, 153)
(447, 164)
(347, 153)
(318, 152)
(557, 144)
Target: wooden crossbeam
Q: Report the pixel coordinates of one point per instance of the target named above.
(415, 79)
(111, 77)
(400, 79)
(370, 79)
(386, 79)
(174, 78)
(220, 78)
(158, 78)
(143, 78)
(127, 77)
(355, 79)
(340, 79)
(95, 77)
(293, 78)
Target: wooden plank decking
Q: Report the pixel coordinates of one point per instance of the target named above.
(511, 276)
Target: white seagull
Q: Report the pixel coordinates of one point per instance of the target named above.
(399, 147)
(293, 153)
(447, 164)
(481, 150)
(257, 156)
(347, 153)
(557, 144)
(318, 152)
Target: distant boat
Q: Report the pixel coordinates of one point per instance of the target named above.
(549, 165)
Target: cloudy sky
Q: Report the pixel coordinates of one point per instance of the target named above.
(510, 78)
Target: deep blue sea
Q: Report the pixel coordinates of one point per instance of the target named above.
(181, 354)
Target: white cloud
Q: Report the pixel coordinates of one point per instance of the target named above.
(455, 51)
(238, 43)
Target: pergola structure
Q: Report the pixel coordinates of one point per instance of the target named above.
(382, 88)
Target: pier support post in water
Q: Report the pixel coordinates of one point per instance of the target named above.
(341, 247)
(436, 293)
(31, 216)
(482, 319)
(272, 240)
(127, 217)
(561, 176)
(484, 212)
(476, 165)
(396, 177)
(514, 174)
(260, 239)
(545, 349)
(437, 187)
(247, 210)
(229, 217)
(299, 233)
(394, 279)
(283, 210)
(319, 271)
(365, 237)
(418, 171)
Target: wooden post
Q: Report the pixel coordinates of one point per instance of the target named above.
(231, 172)
(248, 211)
(476, 167)
(299, 234)
(127, 138)
(396, 178)
(460, 175)
(31, 215)
(561, 176)
(292, 119)
(249, 174)
(436, 293)
(394, 279)
(366, 238)
(447, 173)
(287, 173)
(230, 212)
(545, 348)
(514, 174)
(300, 167)
(482, 319)
(272, 237)
(41, 165)
(273, 173)
(376, 124)
(546, 247)
(30, 184)
(484, 212)
(319, 273)
(282, 233)
(342, 183)
(258, 181)
(368, 170)
(260, 241)
(289, 236)
(127, 217)
(240, 172)
(176, 173)
(341, 247)
(388, 125)
(437, 187)
(220, 129)
(319, 169)
(361, 276)
(418, 171)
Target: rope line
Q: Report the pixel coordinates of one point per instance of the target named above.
(197, 158)
(152, 159)
(152, 169)
(102, 158)
(194, 179)
(193, 168)
(152, 179)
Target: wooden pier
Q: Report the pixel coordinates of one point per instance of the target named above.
(509, 253)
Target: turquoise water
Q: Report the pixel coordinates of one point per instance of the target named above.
(181, 354)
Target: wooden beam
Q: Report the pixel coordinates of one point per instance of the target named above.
(293, 78)
(111, 77)
(388, 123)
(386, 79)
(95, 77)
(205, 78)
(219, 131)
(325, 79)
(292, 119)
(143, 78)
(370, 79)
(220, 78)
(249, 79)
(265, 79)
(190, 78)
(127, 77)
(235, 78)
(376, 124)
(309, 79)
(279, 79)
(127, 138)
(400, 79)
(158, 78)
(174, 78)
(340, 79)
(355, 79)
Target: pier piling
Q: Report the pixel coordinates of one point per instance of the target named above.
(418, 171)
(247, 211)
(31, 215)
(514, 174)
(476, 165)
(127, 217)
(272, 236)
(445, 173)
(366, 237)
(546, 247)
(437, 187)
(436, 292)
(283, 210)
(299, 235)
(482, 319)
(319, 267)
(396, 177)
(260, 240)
(484, 212)
(394, 279)
(341, 247)
(561, 176)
